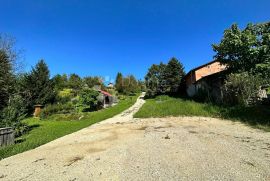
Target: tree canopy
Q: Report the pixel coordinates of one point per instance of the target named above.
(164, 78)
(37, 87)
(245, 50)
(119, 82)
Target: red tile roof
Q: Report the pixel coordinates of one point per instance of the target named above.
(105, 93)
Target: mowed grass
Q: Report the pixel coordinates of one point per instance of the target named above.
(165, 106)
(44, 131)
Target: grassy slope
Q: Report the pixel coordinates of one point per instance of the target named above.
(47, 130)
(163, 106)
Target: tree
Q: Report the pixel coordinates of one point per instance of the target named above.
(93, 81)
(6, 79)
(8, 45)
(174, 72)
(130, 85)
(164, 78)
(89, 98)
(141, 85)
(244, 50)
(60, 81)
(13, 114)
(119, 82)
(75, 82)
(152, 79)
(36, 87)
(163, 86)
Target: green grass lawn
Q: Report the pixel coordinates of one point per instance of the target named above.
(44, 131)
(164, 106)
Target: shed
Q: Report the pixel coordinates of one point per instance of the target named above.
(107, 98)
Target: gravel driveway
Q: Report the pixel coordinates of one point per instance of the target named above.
(124, 148)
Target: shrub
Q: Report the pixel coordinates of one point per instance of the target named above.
(121, 97)
(239, 87)
(13, 114)
(64, 96)
(57, 109)
(89, 99)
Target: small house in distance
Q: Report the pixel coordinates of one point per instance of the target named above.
(110, 86)
(205, 77)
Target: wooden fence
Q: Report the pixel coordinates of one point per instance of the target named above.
(6, 136)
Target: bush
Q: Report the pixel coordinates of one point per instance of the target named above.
(64, 96)
(238, 88)
(150, 94)
(89, 99)
(121, 97)
(13, 114)
(57, 109)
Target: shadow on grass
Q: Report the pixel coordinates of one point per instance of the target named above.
(20, 140)
(252, 115)
(255, 116)
(31, 127)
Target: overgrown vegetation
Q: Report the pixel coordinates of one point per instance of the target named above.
(65, 94)
(247, 56)
(57, 109)
(58, 125)
(89, 99)
(165, 106)
(240, 87)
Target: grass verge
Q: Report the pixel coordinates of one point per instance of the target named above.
(164, 106)
(44, 131)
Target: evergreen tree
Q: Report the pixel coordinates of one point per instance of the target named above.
(119, 82)
(164, 78)
(163, 86)
(152, 80)
(37, 86)
(174, 73)
(6, 79)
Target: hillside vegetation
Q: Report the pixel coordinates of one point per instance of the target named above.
(58, 125)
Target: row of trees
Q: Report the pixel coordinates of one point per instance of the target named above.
(128, 85)
(165, 78)
(75, 82)
(20, 92)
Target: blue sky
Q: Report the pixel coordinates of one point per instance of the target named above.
(103, 37)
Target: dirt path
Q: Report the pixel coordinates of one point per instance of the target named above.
(123, 148)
